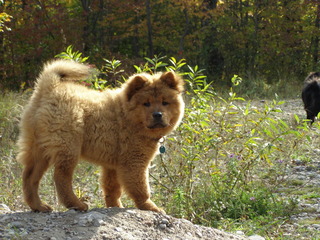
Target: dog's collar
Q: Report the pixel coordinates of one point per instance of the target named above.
(162, 148)
(160, 140)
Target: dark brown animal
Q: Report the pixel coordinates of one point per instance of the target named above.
(311, 95)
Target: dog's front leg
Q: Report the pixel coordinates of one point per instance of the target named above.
(136, 185)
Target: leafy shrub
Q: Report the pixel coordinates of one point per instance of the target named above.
(70, 54)
(231, 160)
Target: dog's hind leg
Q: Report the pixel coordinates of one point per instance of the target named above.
(63, 172)
(111, 188)
(32, 174)
(310, 116)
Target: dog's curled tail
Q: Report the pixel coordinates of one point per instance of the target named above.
(60, 70)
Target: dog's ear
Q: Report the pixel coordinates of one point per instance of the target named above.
(134, 84)
(173, 80)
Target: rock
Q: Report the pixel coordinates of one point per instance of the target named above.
(317, 226)
(256, 237)
(17, 224)
(165, 221)
(91, 219)
(162, 226)
(111, 223)
(4, 208)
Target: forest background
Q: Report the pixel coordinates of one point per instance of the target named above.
(261, 40)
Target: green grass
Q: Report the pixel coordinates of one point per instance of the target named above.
(312, 195)
(10, 184)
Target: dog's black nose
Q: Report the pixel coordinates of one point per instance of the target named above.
(157, 115)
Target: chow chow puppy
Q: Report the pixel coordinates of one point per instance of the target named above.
(117, 129)
(311, 95)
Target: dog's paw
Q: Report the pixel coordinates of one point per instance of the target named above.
(42, 208)
(162, 211)
(149, 205)
(110, 202)
(159, 210)
(82, 207)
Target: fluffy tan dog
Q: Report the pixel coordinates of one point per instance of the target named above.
(116, 129)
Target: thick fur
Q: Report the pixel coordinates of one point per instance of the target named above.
(311, 95)
(116, 129)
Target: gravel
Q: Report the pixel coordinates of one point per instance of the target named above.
(104, 224)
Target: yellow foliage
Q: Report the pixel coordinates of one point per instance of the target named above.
(4, 17)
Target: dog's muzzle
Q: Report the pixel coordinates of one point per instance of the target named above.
(157, 121)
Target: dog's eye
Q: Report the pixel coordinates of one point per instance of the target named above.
(164, 103)
(147, 104)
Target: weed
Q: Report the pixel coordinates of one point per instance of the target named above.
(72, 55)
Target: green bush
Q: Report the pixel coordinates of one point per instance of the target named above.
(231, 160)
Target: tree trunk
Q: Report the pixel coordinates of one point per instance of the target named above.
(86, 28)
(186, 31)
(316, 38)
(149, 25)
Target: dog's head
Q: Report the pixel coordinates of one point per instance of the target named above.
(154, 101)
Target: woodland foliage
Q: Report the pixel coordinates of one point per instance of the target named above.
(265, 39)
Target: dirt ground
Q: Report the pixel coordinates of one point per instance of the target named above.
(103, 223)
